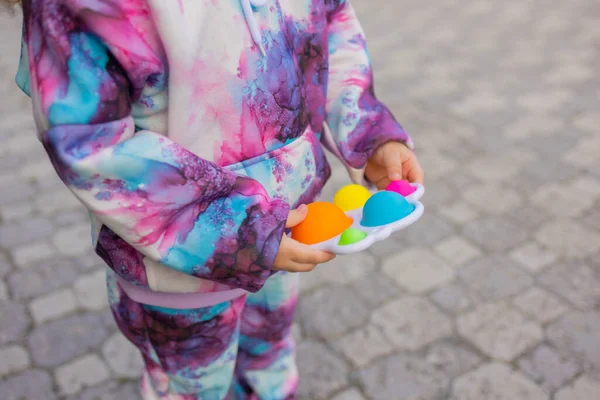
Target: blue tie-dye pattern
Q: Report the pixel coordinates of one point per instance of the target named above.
(88, 59)
(192, 255)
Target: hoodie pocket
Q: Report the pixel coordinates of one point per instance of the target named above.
(294, 173)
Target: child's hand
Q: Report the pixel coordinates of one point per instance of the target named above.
(393, 162)
(294, 256)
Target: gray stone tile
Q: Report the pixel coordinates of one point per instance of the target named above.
(585, 387)
(540, 305)
(452, 357)
(407, 322)
(576, 335)
(577, 283)
(498, 330)
(495, 381)
(418, 270)
(403, 376)
(363, 345)
(322, 372)
(110, 391)
(32, 384)
(376, 289)
(44, 278)
(430, 230)
(123, 358)
(453, 298)
(568, 238)
(494, 233)
(56, 342)
(331, 311)
(83, 372)
(14, 359)
(13, 322)
(24, 231)
(548, 369)
(495, 277)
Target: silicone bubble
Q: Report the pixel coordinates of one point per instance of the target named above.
(401, 187)
(323, 222)
(351, 197)
(384, 208)
(351, 236)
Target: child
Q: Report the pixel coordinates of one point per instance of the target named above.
(191, 129)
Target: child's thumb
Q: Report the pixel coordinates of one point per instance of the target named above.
(296, 216)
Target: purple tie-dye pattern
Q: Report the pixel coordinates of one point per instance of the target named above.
(95, 65)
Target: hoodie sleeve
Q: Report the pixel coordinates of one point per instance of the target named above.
(172, 206)
(357, 122)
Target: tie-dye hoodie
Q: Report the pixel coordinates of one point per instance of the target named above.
(188, 128)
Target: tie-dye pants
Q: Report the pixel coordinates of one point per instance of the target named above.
(240, 349)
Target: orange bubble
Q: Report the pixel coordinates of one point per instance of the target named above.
(323, 222)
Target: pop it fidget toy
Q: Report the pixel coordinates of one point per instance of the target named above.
(356, 219)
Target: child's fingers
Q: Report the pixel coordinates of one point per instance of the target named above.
(303, 254)
(296, 216)
(414, 172)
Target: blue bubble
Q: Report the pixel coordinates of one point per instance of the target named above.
(385, 208)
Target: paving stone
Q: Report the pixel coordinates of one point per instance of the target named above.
(560, 201)
(83, 372)
(4, 296)
(110, 391)
(363, 345)
(576, 334)
(453, 298)
(418, 270)
(498, 330)
(456, 250)
(392, 245)
(459, 212)
(350, 394)
(452, 357)
(71, 217)
(74, 241)
(437, 165)
(430, 230)
(548, 369)
(123, 357)
(31, 253)
(331, 311)
(407, 322)
(567, 238)
(496, 168)
(495, 381)
(32, 384)
(5, 266)
(346, 269)
(321, 371)
(585, 387)
(13, 321)
(56, 200)
(540, 305)
(492, 199)
(90, 291)
(494, 233)
(53, 305)
(24, 231)
(403, 376)
(15, 211)
(297, 332)
(528, 217)
(313, 279)
(495, 277)
(43, 278)
(14, 359)
(59, 341)
(376, 289)
(438, 193)
(533, 257)
(19, 192)
(577, 283)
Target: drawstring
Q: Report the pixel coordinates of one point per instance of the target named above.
(251, 21)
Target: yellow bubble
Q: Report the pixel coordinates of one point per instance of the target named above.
(351, 197)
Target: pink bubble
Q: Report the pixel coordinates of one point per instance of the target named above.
(401, 187)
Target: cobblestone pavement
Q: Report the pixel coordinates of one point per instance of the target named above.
(494, 294)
